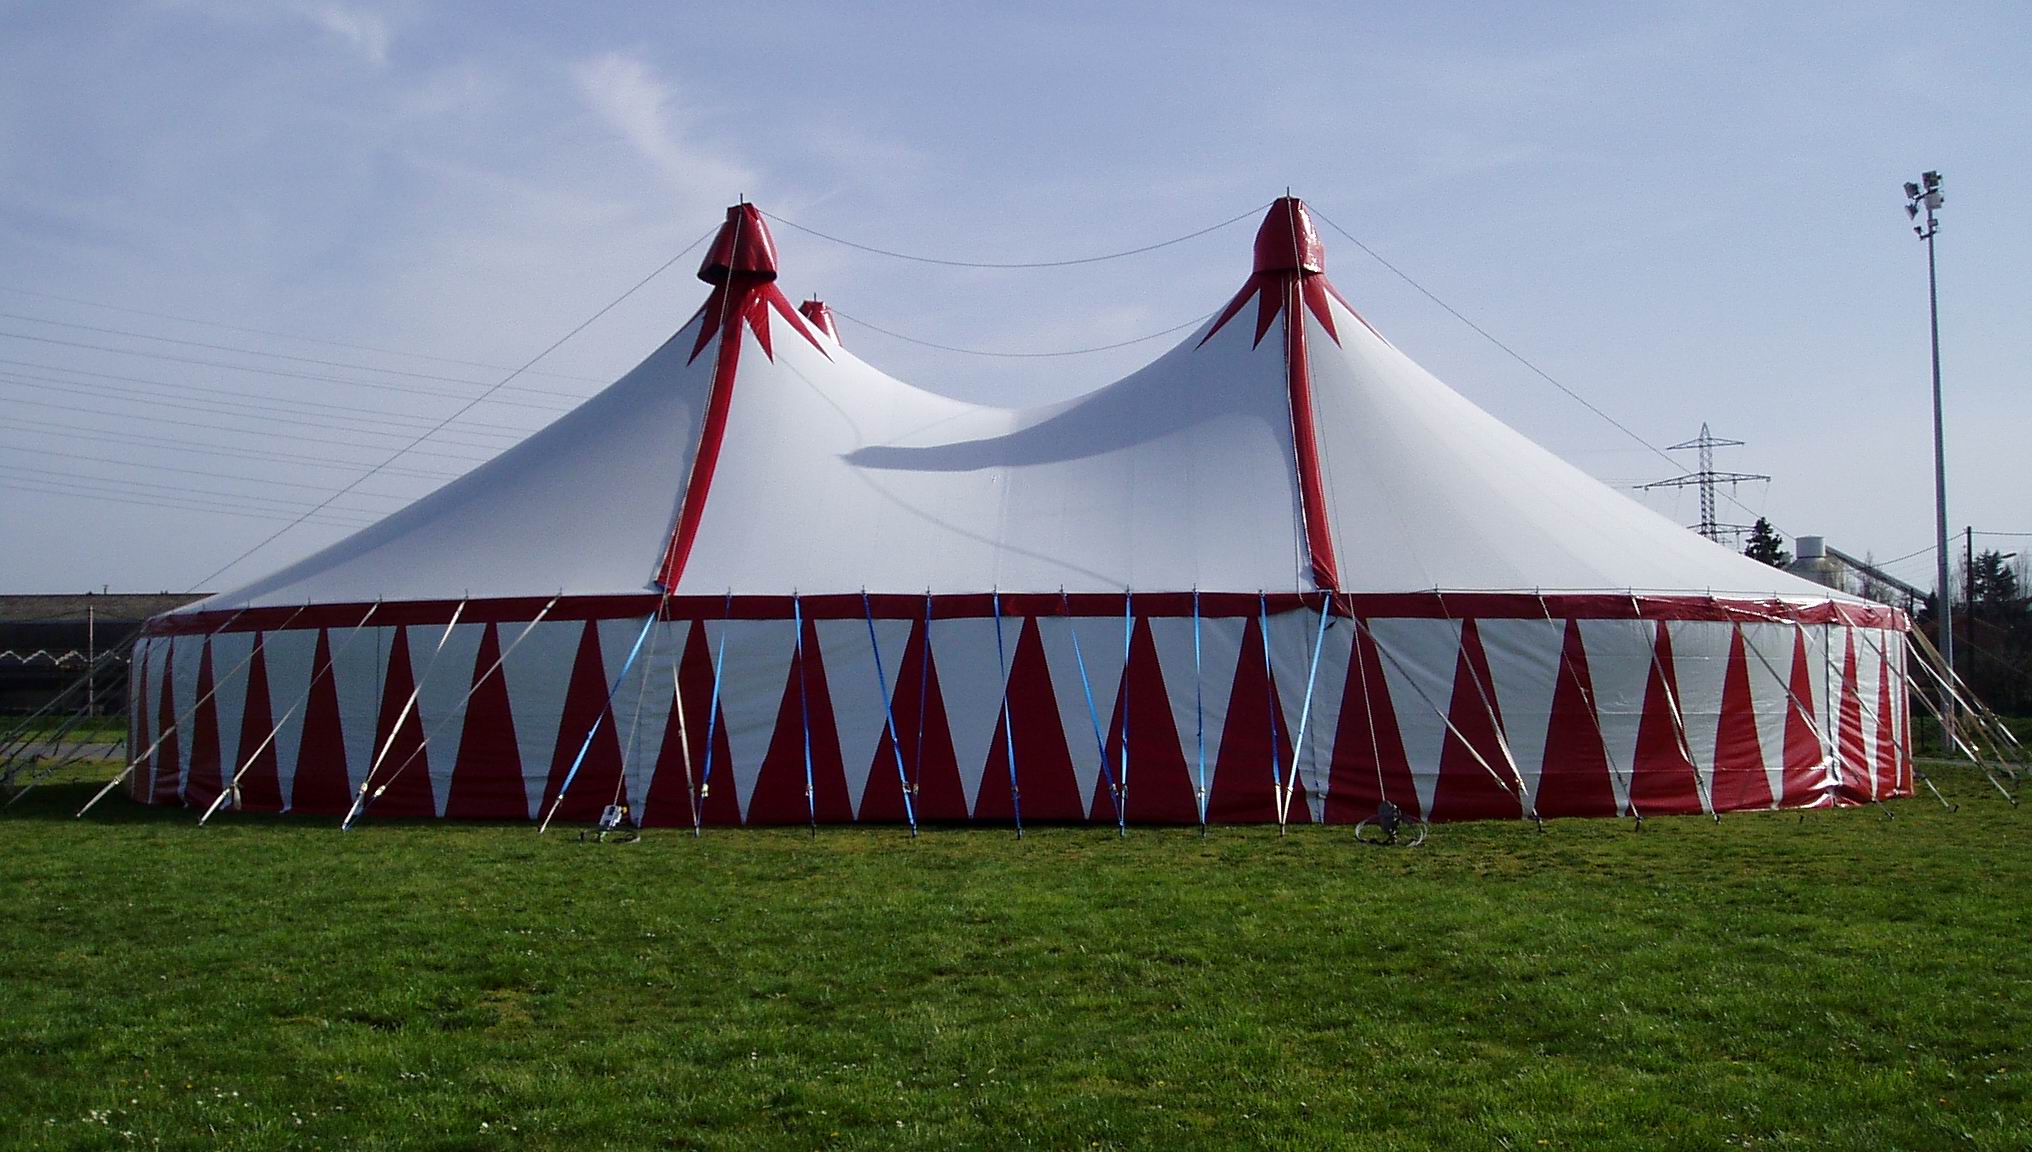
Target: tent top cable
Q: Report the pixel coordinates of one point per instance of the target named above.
(1194, 322)
(1019, 263)
(1519, 357)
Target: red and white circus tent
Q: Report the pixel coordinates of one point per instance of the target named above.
(1280, 574)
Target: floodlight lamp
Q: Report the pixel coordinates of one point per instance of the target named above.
(1911, 190)
(1934, 200)
(1912, 211)
(1932, 181)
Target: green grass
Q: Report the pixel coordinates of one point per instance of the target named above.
(1840, 980)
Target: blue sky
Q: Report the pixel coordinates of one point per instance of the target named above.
(1683, 213)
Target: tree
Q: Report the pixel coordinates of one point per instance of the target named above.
(1766, 545)
(1994, 582)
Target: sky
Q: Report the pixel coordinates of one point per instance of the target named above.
(250, 250)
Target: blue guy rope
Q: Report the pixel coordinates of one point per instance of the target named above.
(889, 712)
(713, 718)
(1199, 714)
(1305, 713)
(1093, 714)
(1008, 727)
(804, 713)
(593, 731)
(1270, 702)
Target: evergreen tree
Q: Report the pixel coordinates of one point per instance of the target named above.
(1766, 545)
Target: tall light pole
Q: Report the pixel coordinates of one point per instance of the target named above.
(1925, 196)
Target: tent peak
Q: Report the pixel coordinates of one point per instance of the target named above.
(1287, 242)
(821, 317)
(743, 245)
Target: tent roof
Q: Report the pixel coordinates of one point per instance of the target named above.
(1278, 449)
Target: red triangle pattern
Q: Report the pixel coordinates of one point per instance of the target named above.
(1889, 778)
(1804, 779)
(487, 776)
(201, 778)
(928, 759)
(1044, 772)
(168, 768)
(669, 801)
(1160, 779)
(1255, 749)
(779, 796)
(1469, 788)
(321, 786)
(1369, 765)
(1739, 779)
(1662, 780)
(141, 780)
(1575, 779)
(260, 780)
(1856, 783)
(586, 714)
(404, 770)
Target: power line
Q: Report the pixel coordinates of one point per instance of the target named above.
(268, 417)
(554, 346)
(1015, 264)
(1194, 322)
(173, 505)
(263, 480)
(325, 440)
(288, 335)
(204, 448)
(232, 394)
(74, 485)
(379, 384)
(256, 352)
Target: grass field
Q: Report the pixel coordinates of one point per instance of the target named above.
(1840, 980)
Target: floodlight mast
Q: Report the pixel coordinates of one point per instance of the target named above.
(1925, 196)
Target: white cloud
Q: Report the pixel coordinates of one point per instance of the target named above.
(640, 107)
(364, 30)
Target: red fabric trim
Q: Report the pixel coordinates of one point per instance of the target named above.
(1856, 783)
(405, 768)
(202, 780)
(1740, 781)
(1243, 789)
(487, 777)
(1662, 778)
(138, 703)
(906, 606)
(1048, 787)
(585, 713)
(1804, 779)
(1305, 442)
(1887, 780)
(261, 780)
(1160, 783)
(163, 786)
(669, 801)
(779, 796)
(1369, 763)
(1466, 789)
(1575, 777)
(320, 784)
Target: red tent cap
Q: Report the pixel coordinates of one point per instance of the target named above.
(1287, 242)
(743, 245)
(821, 317)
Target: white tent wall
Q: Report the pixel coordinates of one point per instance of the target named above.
(1428, 704)
(752, 472)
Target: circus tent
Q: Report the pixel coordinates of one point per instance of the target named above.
(1279, 574)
